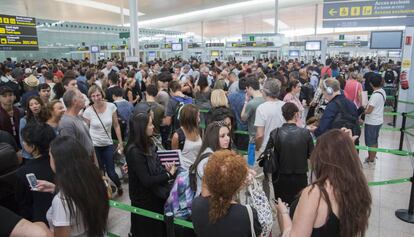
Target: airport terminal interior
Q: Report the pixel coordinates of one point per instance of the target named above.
(172, 72)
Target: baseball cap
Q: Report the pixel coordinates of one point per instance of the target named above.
(6, 89)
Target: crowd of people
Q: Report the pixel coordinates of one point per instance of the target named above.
(67, 121)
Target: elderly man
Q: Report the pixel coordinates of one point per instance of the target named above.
(71, 124)
(109, 67)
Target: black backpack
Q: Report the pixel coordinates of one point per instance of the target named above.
(347, 120)
(389, 77)
(177, 111)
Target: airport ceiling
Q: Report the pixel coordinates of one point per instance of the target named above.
(221, 18)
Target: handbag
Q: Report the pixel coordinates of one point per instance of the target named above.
(250, 212)
(256, 198)
(269, 159)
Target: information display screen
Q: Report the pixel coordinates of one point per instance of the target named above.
(215, 53)
(18, 33)
(94, 48)
(394, 54)
(312, 45)
(177, 47)
(293, 53)
(386, 39)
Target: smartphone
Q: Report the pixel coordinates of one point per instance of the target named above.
(31, 178)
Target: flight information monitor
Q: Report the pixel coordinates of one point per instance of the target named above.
(18, 33)
(386, 39)
(312, 45)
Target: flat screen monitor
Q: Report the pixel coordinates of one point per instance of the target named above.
(94, 49)
(152, 54)
(177, 47)
(394, 54)
(294, 53)
(214, 53)
(313, 45)
(386, 39)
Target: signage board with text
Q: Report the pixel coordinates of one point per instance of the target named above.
(18, 33)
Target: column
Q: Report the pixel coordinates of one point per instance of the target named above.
(202, 32)
(276, 29)
(407, 67)
(324, 46)
(122, 13)
(316, 19)
(133, 28)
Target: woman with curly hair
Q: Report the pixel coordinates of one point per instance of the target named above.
(338, 202)
(215, 212)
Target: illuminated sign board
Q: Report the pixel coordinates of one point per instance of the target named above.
(18, 33)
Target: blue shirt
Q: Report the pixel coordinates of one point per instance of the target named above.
(236, 101)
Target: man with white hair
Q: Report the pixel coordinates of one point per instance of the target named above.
(109, 67)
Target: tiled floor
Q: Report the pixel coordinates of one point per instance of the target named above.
(386, 199)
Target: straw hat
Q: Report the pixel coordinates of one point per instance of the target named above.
(31, 81)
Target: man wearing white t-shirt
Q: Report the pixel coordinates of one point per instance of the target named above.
(268, 117)
(269, 114)
(374, 117)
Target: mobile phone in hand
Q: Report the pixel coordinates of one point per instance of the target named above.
(31, 178)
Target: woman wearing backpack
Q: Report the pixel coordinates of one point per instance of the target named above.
(187, 137)
(148, 178)
(216, 137)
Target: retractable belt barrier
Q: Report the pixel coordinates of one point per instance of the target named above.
(188, 224)
(399, 152)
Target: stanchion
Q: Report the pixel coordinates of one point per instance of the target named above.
(402, 131)
(404, 214)
(394, 118)
(169, 223)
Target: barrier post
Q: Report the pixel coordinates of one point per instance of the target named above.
(169, 223)
(408, 215)
(394, 118)
(402, 130)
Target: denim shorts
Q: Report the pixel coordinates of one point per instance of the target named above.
(371, 134)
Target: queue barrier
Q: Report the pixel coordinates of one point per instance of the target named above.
(188, 224)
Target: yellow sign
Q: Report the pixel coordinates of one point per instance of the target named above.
(6, 20)
(367, 10)
(3, 41)
(406, 63)
(344, 11)
(2, 30)
(12, 21)
(1, 20)
(355, 11)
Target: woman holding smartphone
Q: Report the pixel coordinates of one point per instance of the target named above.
(81, 206)
(148, 178)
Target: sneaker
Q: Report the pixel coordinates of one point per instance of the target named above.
(370, 162)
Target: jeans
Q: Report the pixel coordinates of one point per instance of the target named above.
(104, 154)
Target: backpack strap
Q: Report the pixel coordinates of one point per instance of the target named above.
(377, 92)
(181, 138)
(343, 111)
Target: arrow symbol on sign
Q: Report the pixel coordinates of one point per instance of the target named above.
(332, 12)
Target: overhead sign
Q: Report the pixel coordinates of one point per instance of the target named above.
(347, 43)
(18, 33)
(214, 45)
(251, 44)
(151, 46)
(368, 13)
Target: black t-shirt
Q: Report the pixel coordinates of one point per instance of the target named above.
(8, 220)
(235, 223)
